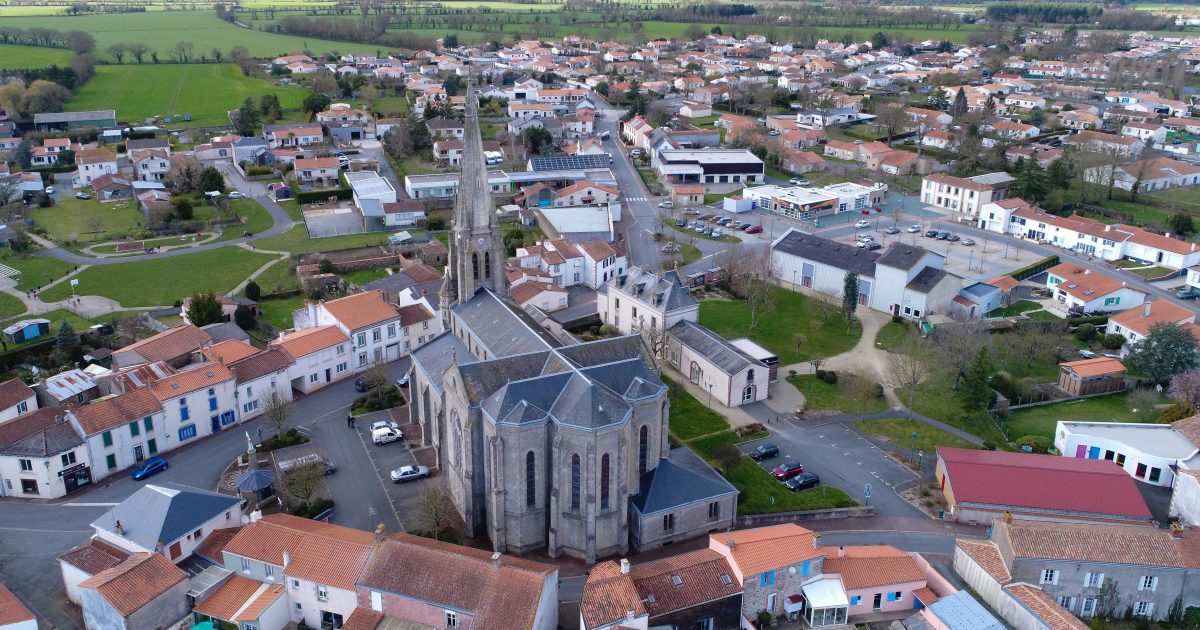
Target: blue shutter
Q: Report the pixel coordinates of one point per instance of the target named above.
(804, 568)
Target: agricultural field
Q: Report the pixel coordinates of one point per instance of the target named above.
(161, 30)
(14, 57)
(206, 91)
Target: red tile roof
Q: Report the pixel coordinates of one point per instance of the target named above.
(215, 543)
(108, 413)
(1042, 482)
(12, 611)
(137, 581)
(361, 310)
(865, 566)
(1095, 367)
(764, 548)
(1140, 319)
(1044, 607)
(12, 392)
(198, 377)
(320, 552)
(94, 556)
(987, 555)
(169, 344)
(231, 597)
(363, 619)
(309, 340)
(229, 351)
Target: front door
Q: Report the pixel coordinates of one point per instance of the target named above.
(393, 352)
(878, 604)
(175, 549)
(771, 603)
(216, 424)
(138, 456)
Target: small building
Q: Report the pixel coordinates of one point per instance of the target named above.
(1154, 454)
(144, 591)
(679, 499)
(707, 360)
(66, 388)
(168, 520)
(760, 354)
(27, 330)
(1091, 376)
(75, 120)
(981, 486)
(41, 456)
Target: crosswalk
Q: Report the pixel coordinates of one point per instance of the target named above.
(637, 199)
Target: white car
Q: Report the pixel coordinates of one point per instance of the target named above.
(236, 195)
(862, 223)
(383, 436)
(913, 229)
(666, 204)
(386, 424)
(49, 190)
(409, 473)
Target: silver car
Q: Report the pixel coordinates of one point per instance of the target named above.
(409, 473)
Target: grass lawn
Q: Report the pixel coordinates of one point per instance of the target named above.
(935, 399)
(257, 219)
(899, 432)
(821, 395)
(36, 271)
(278, 278)
(893, 334)
(391, 107)
(1016, 308)
(10, 306)
(56, 317)
(164, 241)
(364, 276)
(292, 207)
(13, 57)
(278, 312)
(206, 91)
(1043, 420)
(689, 253)
(296, 240)
(88, 220)
(1042, 315)
(795, 313)
(165, 280)
(1151, 273)
(689, 417)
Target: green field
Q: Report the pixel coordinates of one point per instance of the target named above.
(161, 30)
(1044, 419)
(899, 433)
(278, 278)
(164, 280)
(88, 221)
(36, 271)
(257, 219)
(10, 306)
(16, 57)
(825, 332)
(819, 395)
(278, 312)
(206, 91)
(296, 241)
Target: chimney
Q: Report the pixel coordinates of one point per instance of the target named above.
(624, 566)
(1146, 308)
(256, 516)
(1108, 228)
(287, 558)
(496, 558)
(731, 544)
(841, 551)
(1087, 272)
(119, 528)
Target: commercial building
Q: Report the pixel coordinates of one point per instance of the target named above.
(717, 169)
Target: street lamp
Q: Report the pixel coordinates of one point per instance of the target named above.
(913, 450)
(710, 395)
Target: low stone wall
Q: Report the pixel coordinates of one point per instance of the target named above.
(759, 520)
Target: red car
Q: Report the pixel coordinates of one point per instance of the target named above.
(788, 470)
(754, 229)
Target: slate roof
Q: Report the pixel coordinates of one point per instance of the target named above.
(679, 479)
(135, 582)
(663, 290)
(902, 256)
(225, 331)
(926, 279)
(501, 330)
(38, 434)
(435, 356)
(164, 514)
(828, 252)
(711, 346)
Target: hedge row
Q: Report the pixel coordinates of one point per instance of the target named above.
(1036, 268)
(322, 195)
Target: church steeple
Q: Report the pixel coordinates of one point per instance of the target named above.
(476, 246)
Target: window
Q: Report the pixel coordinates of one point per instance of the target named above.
(27, 465)
(152, 445)
(341, 349)
(183, 410)
(111, 461)
(530, 479)
(897, 596)
(766, 578)
(106, 438)
(29, 486)
(1148, 583)
(451, 619)
(295, 584)
(250, 406)
(1143, 609)
(855, 600)
(270, 572)
(805, 567)
(1093, 580)
(68, 458)
(22, 407)
(1141, 471)
(322, 593)
(362, 359)
(748, 394)
(377, 601)
(362, 339)
(1155, 474)
(1067, 602)
(1049, 576)
(668, 522)
(714, 510)
(377, 335)
(575, 481)
(391, 330)
(133, 429)
(245, 565)
(604, 482)
(1088, 608)
(643, 448)
(148, 423)
(187, 432)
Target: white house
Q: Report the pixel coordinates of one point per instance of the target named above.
(642, 298)
(707, 360)
(601, 262)
(150, 165)
(93, 163)
(1134, 324)
(41, 456)
(171, 520)
(322, 355)
(259, 377)
(965, 195)
(16, 398)
(1148, 133)
(311, 169)
(372, 324)
(124, 430)
(198, 402)
(1150, 453)
(1079, 289)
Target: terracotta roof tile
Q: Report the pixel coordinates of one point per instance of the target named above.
(94, 556)
(1190, 429)
(135, 582)
(413, 314)
(304, 342)
(764, 548)
(198, 377)
(12, 392)
(261, 602)
(361, 310)
(215, 543)
(609, 595)
(987, 555)
(703, 574)
(229, 598)
(261, 364)
(362, 619)
(12, 611)
(1044, 607)
(229, 351)
(118, 410)
(1140, 321)
(328, 561)
(1095, 366)
(872, 565)
(1086, 542)
(925, 596)
(266, 540)
(527, 291)
(169, 344)
(1085, 284)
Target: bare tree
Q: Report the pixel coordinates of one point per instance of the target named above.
(728, 456)
(277, 410)
(908, 367)
(731, 262)
(656, 339)
(892, 118)
(955, 346)
(753, 284)
(860, 391)
(302, 482)
(435, 511)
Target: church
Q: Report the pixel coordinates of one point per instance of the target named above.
(543, 441)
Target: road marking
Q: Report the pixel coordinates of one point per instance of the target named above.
(90, 504)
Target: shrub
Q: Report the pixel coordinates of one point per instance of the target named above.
(821, 374)
(326, 265)
(1038, 443)
(749, 429)
(831, 377)
(988, 446)
(253, 170)
(1085, 333)
(1178, 411)
(879, 390)
(792, 373)
(1112, 341)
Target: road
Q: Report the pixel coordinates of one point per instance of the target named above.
(33, 535)
(640, 216)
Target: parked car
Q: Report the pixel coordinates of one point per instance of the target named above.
(953, 238)
(891, 230)
(49, 190)
(754, 229)
(773, 132)
(763, 451)
(871, 246)
(1189, 293)
(237, 194)
(666, 204)
(403, 380)
(799, 181)
(787, 470)
(931, 233)
(725, 222)
(943, 235)
(865, 238)
(914, 228)
(1087, 354)
(82, 195)
(680, 223)
(699, 228)
(150, 467)
(743, 225)
(360, 384)
(862, 223)
(386, 424)
(968, 241)
(409, 473)
(803, 482)
(383, 436)
(718, 233)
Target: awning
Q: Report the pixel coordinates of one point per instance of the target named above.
(825, 593)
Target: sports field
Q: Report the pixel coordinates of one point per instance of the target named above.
(161, 30)
(18, 57)
(206, 91)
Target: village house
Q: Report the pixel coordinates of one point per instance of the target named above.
(1079, 289)
(93, 163)
(42, 437)
(322, 355)
(964, 195)
(1135, 324)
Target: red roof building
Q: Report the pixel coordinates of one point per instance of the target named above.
(984, 485)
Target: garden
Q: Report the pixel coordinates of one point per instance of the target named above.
(799, 328)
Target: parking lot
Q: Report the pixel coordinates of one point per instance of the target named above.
(384, 459)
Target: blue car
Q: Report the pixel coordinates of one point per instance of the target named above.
(151, 466)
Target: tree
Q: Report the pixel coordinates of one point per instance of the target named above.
(268, 105)
(138, 50)
(1060, 173)
(450, 41)
(182, 208)
(959, 106)
(277, 410)
(243, 316)
(955, 346)
(315, 103)
(892, 118)
(65, 157)
(727, 456)
(253, 291)
(118, 51)
(975, 393)
(1185, 387)
(67, 342)
(1166, 351)
(183, 51)
(419, 137)
(861, 392)
(248, 118)
(211, 180)
(435, 512)
(1031, 183)
(183, 177)
(849, 295)
(205, 309)
(1181, 223)
(907, 367)
(753, 284)
(1037, 117)
(23, 154)
(879, 41)
(397, 141)
(539, 140)
(302, 482)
